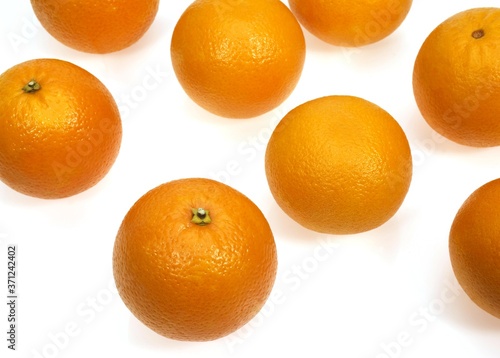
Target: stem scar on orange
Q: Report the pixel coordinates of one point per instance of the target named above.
(60, 129)
(194, 259)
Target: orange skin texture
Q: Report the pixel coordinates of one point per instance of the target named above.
(238, 59)
(60, 140)
(475, 247)
(190, 282)
(96, 26)
(339, 165)
(350, 23)
(456, 78)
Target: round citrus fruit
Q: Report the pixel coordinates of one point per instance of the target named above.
(475, 247)
(194, 259)
(350, 23)
(339, 165)
(456, 78)
(96, 26)
(238, 58)
(60, 129)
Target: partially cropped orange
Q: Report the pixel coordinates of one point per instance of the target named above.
(456, 78)
(60, 129)
(339, 165)
(350, 23)
(475, 247)
(238, 58)
(194, 259)
(96, 26)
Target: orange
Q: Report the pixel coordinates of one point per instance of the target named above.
(339, 165)
(238, 58)
(350, 23)
(194, 259)
(60, 129)
(456, 78)
(475, 247)
(96, 26)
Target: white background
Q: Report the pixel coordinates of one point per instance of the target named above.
(335, 296)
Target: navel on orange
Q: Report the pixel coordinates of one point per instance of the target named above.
(475, 247)
(194, 259)
(60, 129)
(456, 78)
(339, 165)
(238, 59)
(96, 26)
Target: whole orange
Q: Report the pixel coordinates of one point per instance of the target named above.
(240, 58)
(456, 78)
(194, 259)
(350, 23)
(96, 26)
(339, 165)
(475, 247)
(60, 129)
